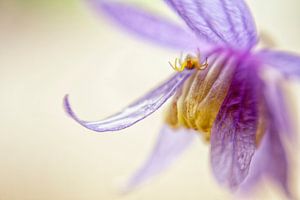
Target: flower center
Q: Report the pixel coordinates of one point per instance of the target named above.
(197, 104)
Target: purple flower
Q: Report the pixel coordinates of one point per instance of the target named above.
(234, 100)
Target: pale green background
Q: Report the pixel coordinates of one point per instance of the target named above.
(50, 49)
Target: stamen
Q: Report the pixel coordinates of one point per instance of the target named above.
(202, 96)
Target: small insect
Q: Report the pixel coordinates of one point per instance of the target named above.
(190, 62)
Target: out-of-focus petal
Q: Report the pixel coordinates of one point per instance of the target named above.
(222, 22)
(170, 145)
(233, 134)
(143, 23)
(286, 63)
(136, 111)
(269, 160)
(278, 108)
(278, 161)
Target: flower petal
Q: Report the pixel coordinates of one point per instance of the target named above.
(277, 164)
(136, 111)
(170, 145)
(286, 63)
(278, 107)
(222, 22)
(233, 134)
(269, 160)
(144, 24)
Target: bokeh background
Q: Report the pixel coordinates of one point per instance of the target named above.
(52, 47)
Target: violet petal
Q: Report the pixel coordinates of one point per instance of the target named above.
(286, 63)
(136, 111)
(143, 23)
(234, 131)
(222, 22)
(269, 160)
(278, 108)
(171, 143)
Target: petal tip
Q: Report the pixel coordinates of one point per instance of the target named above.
(68, 109)
(66, 104)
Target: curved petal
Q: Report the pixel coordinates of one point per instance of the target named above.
(142, 23)
(286, 63)
(222, 22)
(170, 145)
(136, 111)
(233, 134)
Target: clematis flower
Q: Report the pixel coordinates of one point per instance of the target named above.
(233, 99)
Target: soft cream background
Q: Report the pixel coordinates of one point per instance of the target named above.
(52, 48)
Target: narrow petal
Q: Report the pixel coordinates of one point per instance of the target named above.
(286, 63)
(136, 111)
(170, 145)
(233, 134)
(145, 24)
(222, 22)
(270, 160)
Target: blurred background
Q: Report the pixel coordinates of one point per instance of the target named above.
(52, 47)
